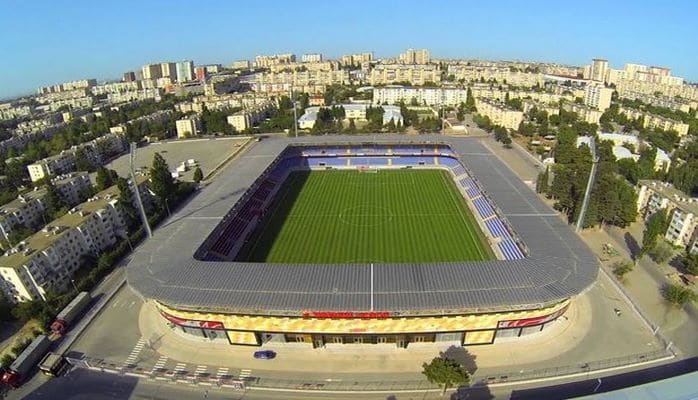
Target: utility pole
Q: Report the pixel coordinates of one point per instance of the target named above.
(144, 217)
(295, 115)
(590, 183)
(443, 111)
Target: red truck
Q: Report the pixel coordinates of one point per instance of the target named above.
(67, 316)
(15, 375)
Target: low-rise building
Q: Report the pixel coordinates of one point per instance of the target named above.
(499, 113)
(249, 117)
(357, 112)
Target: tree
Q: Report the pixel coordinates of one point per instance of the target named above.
(55, 204)
(105, 178)
(691, 264)
(126, 201)
(82, 163)
(678, 295)
(445, 371)
(198, 175)
(661, 252)
(620, 268)
(162, 183)
(654, 227)
(542, 183)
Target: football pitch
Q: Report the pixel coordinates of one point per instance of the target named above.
(406, 216)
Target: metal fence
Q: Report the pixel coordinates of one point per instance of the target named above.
(478, 379)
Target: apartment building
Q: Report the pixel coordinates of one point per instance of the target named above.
(241, 64)
(185, 71)
(188, 127)
(653, 121)
(681, 209)
(385, 74)
(115, 87)
(598, 96)
(598, 70)
(67, 86)
(327, 65)
(135, 95)
(356, 60)
(689, 92)
(529, 104)
(584, 112)
(48, 259)
(97, 151)
(313, 82)
(55, 165)
(267, 61)
(501, 74)
(412, 56)
(357, 112)
(249, 117)
(311, 58)
(671, 103)
(10, 111)
(499, 113)
(420, 95)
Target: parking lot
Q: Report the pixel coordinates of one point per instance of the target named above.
(208, 153)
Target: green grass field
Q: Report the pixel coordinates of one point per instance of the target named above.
(406, 216)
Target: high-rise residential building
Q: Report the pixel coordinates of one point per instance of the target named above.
(187, 127)
(185, 71)
(168, 70)
(200, 73)
(355, 60)
(599, 69)
(129, 76)
(151, 71)
(598, 96)
(309, 58)
(411, 56)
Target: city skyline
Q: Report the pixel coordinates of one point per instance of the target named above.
(104, 41)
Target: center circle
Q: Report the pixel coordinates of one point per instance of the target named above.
(366, 215)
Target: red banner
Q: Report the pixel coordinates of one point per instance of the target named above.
(347, 314)
(192, 323)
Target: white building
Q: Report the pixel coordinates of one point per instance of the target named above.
(357, 112)
(185, 71)
(311, 58)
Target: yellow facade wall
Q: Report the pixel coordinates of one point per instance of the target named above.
(395, 325)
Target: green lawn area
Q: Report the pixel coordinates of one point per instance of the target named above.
(406, 216)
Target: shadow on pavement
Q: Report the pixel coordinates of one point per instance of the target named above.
(461, 355)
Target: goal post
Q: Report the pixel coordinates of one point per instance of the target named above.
(366, 169)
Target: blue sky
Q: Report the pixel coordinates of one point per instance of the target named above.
(45, 42)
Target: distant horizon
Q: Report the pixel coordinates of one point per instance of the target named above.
(108, 41)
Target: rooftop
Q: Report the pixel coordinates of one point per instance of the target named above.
(41, 240)
(558, 266)
(667, 190)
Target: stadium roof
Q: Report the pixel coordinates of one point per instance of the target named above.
(558, 266)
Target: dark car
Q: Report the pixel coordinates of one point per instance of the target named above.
(265, 354)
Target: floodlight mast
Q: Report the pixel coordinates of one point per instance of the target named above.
(144, 217)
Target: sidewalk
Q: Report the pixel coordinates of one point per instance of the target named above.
(563, 336)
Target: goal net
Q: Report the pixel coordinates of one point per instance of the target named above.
(366, 169)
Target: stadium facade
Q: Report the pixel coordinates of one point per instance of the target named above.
(188, 268)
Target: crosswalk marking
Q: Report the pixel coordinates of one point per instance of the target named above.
(222, 372)
(161, 363)
(180, 367)
(200, 369)
(245, 373)
(135, 352)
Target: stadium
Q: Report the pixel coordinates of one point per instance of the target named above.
(363, 240)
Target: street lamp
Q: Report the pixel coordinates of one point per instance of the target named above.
(74, 285)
